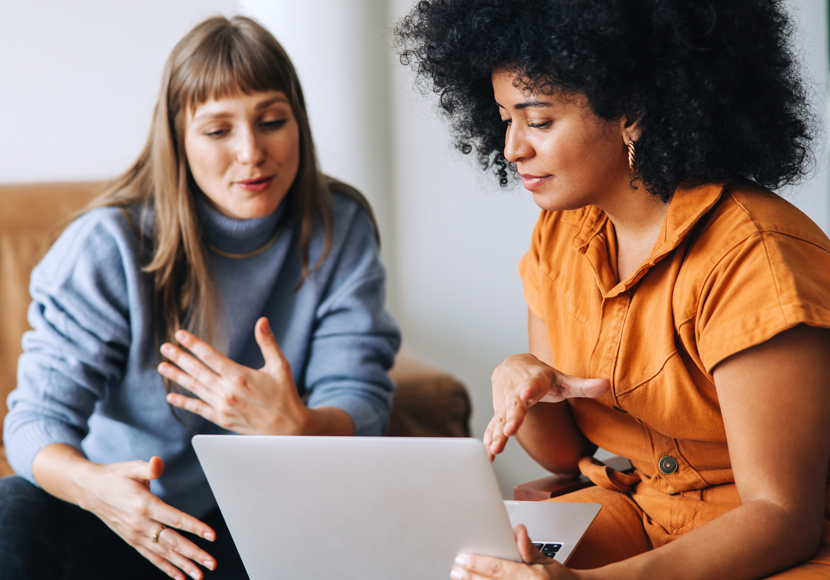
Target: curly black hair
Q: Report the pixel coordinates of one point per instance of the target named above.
(715, 85)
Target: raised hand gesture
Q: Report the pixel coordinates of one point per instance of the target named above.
(520, 382)
(245, 400)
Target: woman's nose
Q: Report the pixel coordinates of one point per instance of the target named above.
(248, 148)
(516, 146)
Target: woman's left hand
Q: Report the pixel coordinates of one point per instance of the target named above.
(235, 397)
(536, 565)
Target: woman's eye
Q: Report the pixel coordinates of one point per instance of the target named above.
(274, 124)
(216, 133)
(539, 125)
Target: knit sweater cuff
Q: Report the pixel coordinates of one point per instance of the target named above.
(30, 439)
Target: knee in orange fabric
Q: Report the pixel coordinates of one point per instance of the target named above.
(616, 534)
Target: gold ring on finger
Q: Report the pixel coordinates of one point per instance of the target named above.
(158, 533)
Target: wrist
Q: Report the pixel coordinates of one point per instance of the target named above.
(307, 421)
(64, 472)
(326, 421)
(83, 475)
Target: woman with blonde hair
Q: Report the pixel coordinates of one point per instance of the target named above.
(225, 249)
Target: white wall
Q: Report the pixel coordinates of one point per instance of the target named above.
(79, 82)
(812, 195)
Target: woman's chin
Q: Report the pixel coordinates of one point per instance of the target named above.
(550, 199)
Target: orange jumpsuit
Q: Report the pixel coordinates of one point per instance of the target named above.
(733, 266)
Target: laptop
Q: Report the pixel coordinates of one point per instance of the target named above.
(372, 507)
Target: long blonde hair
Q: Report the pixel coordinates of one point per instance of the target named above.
(219, 57)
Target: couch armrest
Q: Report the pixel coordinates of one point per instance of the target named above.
(428, 402)
(555, 485)
(548, 487)
(31, 218)
(5, 468)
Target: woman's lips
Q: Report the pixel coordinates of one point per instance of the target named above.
(531, 182)
(255, 185)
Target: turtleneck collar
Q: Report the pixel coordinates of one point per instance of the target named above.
(232, 235)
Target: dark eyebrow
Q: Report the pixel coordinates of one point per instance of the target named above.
(220, 115)
(529, 104)
(260, 106)
(267, 103)
(533, 104)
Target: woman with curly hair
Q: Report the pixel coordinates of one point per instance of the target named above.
(678, 309)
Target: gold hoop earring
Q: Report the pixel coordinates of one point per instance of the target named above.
(632, 157)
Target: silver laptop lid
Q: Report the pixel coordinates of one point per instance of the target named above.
(353, 507)
(364, 508)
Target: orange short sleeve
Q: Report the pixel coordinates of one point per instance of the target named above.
(768, 283)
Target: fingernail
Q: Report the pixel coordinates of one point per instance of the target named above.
(209, 536)
(166, 349)
(195, 574)
(208, 564)
(457, 574)
(180, 335)
(461, 560)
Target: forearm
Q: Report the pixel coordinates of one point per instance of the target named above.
(357, 407)
(752, 541)
(549, 434)
(551, 437)
(328, 421)
(60, 470)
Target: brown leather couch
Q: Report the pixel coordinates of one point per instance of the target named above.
(428, 402)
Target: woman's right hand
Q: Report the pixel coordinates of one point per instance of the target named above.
(520, 382)
(534, 566)
(119, 494)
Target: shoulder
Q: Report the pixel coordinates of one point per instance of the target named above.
(102, 243)
(101, 224)
(747, 209)
(755, 266)
(90, 279)
(352, 216)
(751, 218)
(349, 205)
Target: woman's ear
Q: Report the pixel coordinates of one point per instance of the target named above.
(630, 129)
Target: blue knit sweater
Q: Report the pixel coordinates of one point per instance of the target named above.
(88, 375)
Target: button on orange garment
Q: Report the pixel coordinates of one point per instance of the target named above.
(732, 267)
